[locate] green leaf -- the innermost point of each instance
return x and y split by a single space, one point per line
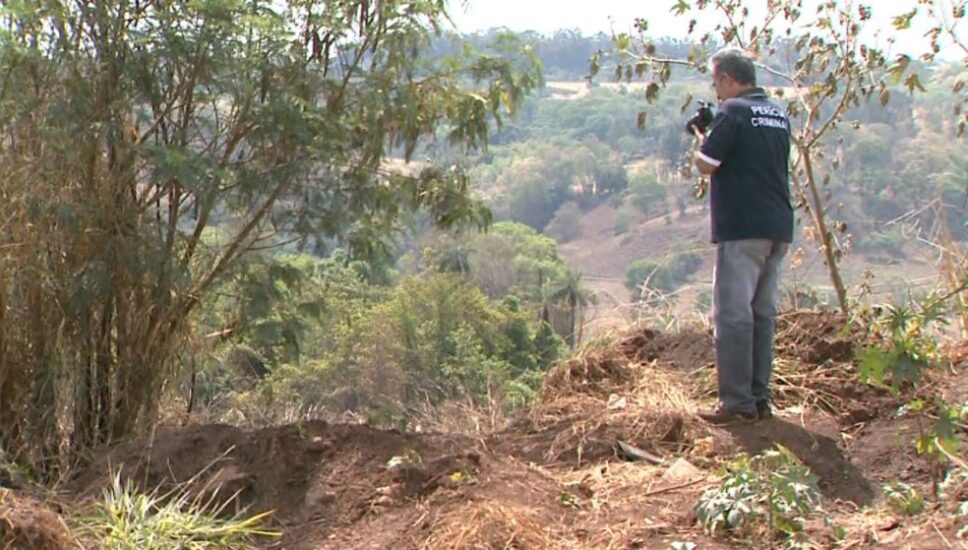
897 69
924 444
680 7
903 21
622 41
873 364
912 82
947 426
905 368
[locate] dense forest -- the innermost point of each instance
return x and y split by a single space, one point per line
210 220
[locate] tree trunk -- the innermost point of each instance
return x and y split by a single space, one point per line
572 306
826 237
581 322
103 377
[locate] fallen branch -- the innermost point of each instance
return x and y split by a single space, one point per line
674 487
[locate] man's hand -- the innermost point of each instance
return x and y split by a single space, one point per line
700 122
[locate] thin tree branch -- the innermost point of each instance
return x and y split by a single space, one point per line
662 60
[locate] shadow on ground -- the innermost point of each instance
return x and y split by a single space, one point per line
839 478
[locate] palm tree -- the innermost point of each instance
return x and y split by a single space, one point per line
544 297
575 296
455 259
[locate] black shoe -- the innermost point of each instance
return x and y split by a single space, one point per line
721 416
763 410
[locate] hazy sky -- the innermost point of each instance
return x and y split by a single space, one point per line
592 16
549 15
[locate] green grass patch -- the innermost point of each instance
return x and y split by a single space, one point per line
126 519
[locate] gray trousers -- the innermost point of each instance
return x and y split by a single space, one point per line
744 306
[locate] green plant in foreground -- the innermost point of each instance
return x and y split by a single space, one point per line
903 499
772 491
125 519
906 348
940 439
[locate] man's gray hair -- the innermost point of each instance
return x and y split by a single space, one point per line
735 63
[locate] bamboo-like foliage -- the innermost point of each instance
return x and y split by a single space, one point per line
146 146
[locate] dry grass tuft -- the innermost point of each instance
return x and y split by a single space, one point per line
596 371
627 504
590 402
25 523
489 524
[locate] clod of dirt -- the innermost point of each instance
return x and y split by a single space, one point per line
688 349
26 523
816 336
576 421
681 470
596 372
424 478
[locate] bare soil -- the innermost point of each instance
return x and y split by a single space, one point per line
553 478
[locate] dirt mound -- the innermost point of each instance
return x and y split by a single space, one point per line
596 372
26 523
883 448
688 349
839 478
814 363
812 337
816 336
815 366
350 486
590 402
328 474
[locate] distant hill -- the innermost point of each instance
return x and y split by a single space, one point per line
602 257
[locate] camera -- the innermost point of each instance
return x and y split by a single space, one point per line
701 120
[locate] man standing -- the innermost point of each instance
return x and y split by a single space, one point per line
746 153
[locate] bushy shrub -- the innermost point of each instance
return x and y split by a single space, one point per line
433 336
566 225
622 221
646 192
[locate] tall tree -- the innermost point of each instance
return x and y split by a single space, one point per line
150 145
573 294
